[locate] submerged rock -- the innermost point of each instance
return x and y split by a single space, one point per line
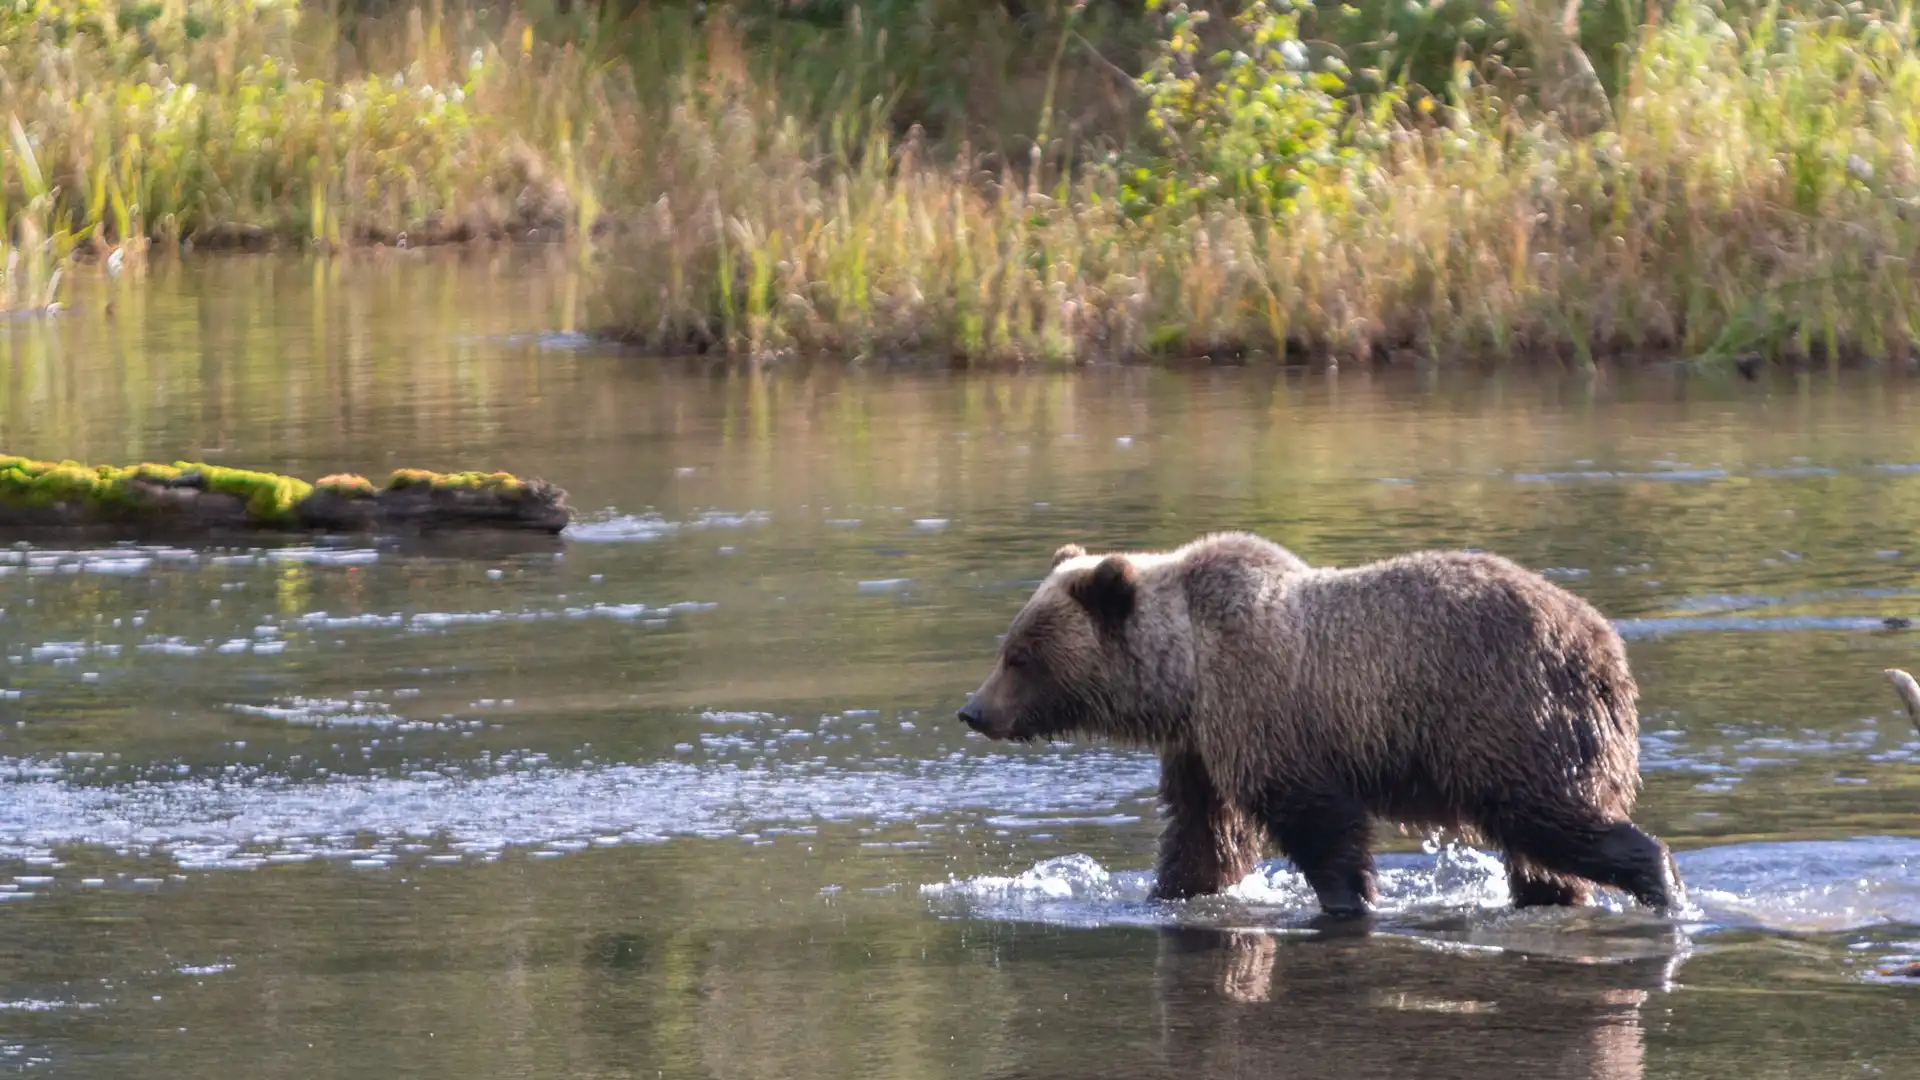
193 496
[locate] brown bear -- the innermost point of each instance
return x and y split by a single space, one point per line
1441 689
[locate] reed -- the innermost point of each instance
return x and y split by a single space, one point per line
1752 192
244 123
1724 188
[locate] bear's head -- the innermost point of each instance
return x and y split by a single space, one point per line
1072 659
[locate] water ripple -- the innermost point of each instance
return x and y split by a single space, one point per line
215 823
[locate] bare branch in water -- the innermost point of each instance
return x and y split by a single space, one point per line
1909 691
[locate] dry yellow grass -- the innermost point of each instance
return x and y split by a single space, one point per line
1752 191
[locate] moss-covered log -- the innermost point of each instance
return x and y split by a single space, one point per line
193 496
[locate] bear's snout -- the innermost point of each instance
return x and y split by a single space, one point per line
972 716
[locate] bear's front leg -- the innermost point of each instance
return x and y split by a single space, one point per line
1328 837
1207 844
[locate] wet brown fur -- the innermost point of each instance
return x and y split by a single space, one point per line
1440 690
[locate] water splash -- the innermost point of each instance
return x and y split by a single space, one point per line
1816 886
1076 890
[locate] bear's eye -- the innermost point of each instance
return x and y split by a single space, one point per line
1019 658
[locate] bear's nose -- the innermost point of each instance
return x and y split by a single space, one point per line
970 714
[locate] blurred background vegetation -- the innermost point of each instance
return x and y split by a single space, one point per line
1452 180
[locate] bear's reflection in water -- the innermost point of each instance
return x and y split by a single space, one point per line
1247 1004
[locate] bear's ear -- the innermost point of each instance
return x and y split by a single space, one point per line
1107 591
1067 551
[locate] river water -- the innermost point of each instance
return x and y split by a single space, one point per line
681 794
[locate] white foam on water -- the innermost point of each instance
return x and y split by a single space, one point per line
321 620
323 556
1641 629
1077 890
60 650
204 969
1668 475
1800 887
237 821
170 646
441 620
425 621
640 528
334 713
622 612
265 640
124 566
1068 877
1810 886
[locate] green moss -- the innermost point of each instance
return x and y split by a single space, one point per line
41 484
345 485
270 497
498 483
406 478
113 486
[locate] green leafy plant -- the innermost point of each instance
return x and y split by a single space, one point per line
1251 123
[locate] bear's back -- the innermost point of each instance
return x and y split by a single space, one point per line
1449 622
1408 669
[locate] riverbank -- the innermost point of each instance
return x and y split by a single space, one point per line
246 125
1746 194
1741 191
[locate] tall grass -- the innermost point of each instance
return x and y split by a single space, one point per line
243 122
1752 190
1736 186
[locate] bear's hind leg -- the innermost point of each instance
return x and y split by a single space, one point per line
1532 886
1207 844
1328 838
1615 853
